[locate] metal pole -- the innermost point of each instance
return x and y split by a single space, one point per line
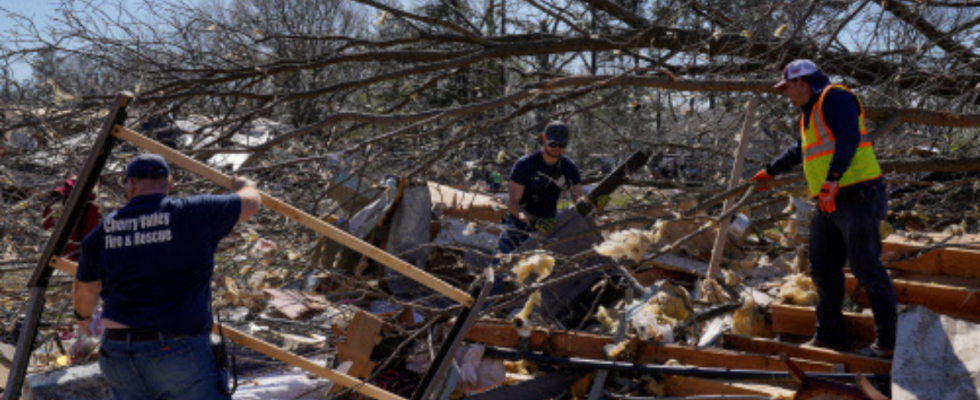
71 215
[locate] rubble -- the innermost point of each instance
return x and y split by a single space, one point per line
324 313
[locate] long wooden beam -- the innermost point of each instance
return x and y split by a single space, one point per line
851 362
721 238
953 301
953 261
299 216
682 386
336 377
803 321
585 345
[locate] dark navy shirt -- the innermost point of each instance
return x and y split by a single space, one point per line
543 183
155 258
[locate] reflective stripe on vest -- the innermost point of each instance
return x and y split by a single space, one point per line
818 149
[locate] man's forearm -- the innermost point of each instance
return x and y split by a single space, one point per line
84 297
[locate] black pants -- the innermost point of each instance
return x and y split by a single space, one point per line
852 234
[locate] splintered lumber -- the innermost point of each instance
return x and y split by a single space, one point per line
362 334
947 259
954 301
299 216
466 205
585 345
682 386
721 238
851 362
63 265
294 304
336 377
803 321
6 354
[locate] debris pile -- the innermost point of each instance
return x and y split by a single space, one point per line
560 308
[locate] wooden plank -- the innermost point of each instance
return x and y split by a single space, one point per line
579 344
688 386
721 238
958 302
803 321
63 265
299 216
6 354
336 377
962 262
363 333
851 362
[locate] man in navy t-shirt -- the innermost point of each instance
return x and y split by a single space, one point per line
536 182
151 263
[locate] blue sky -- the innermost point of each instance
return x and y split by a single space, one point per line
41 12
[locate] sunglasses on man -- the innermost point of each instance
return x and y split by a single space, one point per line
556 145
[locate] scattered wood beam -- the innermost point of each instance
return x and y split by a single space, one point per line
363 333
803 321
336 377
299 216
851 362
63 265
952 261
687 386
502 333
954 301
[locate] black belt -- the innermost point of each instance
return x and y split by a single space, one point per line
134 335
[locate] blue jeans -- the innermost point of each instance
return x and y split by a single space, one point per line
851 234
170 369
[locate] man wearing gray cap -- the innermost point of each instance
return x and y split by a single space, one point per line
537 180
151 263
844 178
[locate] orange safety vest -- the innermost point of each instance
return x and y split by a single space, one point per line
818 149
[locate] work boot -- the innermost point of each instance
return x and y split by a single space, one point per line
815 342
876 351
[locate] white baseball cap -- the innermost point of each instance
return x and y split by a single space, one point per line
796 69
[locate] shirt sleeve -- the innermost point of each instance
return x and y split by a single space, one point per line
88 261
571 172
219 212
841 111
790 158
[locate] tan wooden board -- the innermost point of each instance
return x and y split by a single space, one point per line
688 386
851 362
67 266
336 377
363 333
299 216
961 257
957 302
803 321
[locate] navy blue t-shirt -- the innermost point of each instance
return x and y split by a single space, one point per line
155 258
542 182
